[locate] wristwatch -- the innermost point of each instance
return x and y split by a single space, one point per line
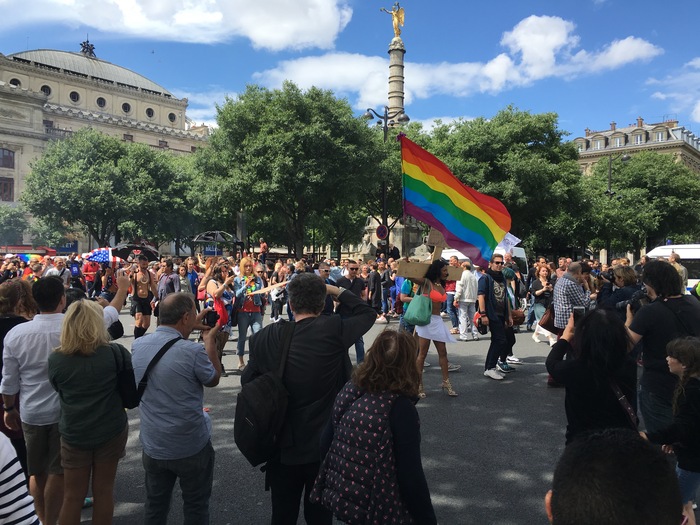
341 290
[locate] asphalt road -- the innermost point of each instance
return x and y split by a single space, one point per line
488 454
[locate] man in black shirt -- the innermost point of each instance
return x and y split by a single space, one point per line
317 368
670 315
358 286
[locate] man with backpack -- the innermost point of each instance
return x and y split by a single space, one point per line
316 368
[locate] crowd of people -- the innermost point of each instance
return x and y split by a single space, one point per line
347 426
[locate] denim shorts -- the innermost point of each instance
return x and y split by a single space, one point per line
689 483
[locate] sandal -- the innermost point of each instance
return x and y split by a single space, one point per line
454 331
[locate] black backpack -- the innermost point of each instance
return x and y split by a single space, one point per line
261 409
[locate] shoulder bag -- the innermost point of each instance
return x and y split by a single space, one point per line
420 309
622 399
261 410
547 319
126 382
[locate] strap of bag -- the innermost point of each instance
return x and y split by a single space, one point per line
678 318
287 333
622 399
115 351
156 358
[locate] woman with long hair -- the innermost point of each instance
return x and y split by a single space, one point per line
372 471
682 437
599 366
218 283
93 424
17 305
542 290
248 305
434 285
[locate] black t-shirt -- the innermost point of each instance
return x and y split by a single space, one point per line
545 298
374 286
658 325
356 286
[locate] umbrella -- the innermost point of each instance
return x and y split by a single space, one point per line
216 237
103 256
127 249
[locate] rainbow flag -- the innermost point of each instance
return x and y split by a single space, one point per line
471 222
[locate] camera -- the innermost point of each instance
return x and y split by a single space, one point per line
637 300
609 275
210 318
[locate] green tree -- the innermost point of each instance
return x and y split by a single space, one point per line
13 224
102 186
655 198
78 181
521 159
287 154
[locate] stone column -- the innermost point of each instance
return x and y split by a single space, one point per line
396 78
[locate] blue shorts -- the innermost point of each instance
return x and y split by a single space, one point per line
689 483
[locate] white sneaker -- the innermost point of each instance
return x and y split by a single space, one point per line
493 374
444 314
381 320
511 359
426 364
463 338
453 368
535 338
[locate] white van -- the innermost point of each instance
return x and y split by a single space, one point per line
519 256
690 258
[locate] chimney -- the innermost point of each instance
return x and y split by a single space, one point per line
588 132
613 125
640 122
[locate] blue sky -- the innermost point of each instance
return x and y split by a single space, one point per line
590 61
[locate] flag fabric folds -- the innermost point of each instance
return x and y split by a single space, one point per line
471 222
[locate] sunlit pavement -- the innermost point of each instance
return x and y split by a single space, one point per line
488 454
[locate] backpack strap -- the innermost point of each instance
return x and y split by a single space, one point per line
161 353
287 332
688 331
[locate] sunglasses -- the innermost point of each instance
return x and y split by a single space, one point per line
353 269
325 271
497 262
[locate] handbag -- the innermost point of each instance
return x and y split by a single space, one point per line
419 310
126 383
518 317
547 320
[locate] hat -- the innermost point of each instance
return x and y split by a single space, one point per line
9 256
481 328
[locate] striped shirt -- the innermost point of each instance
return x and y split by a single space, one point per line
16 505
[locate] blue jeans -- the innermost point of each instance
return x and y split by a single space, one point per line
451 310
656 411
385 300
196 474
246 319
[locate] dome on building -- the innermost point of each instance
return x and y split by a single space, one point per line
87 67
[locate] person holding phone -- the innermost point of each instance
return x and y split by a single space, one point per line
598 366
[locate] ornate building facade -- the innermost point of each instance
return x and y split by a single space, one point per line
663 137
47 94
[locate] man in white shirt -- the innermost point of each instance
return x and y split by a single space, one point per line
59 270
25 371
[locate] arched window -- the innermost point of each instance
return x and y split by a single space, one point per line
7 158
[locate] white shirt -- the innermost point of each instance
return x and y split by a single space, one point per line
26 364
63 273
466 290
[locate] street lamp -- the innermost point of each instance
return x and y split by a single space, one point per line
386 121
610 193
624 158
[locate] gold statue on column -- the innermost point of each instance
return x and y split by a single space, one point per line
397 17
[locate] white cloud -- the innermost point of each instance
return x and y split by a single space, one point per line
681 89
538 47
272 24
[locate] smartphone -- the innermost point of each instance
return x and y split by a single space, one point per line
579 312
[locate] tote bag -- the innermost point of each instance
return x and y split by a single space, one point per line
419 310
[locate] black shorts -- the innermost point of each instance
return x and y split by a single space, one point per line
141 305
